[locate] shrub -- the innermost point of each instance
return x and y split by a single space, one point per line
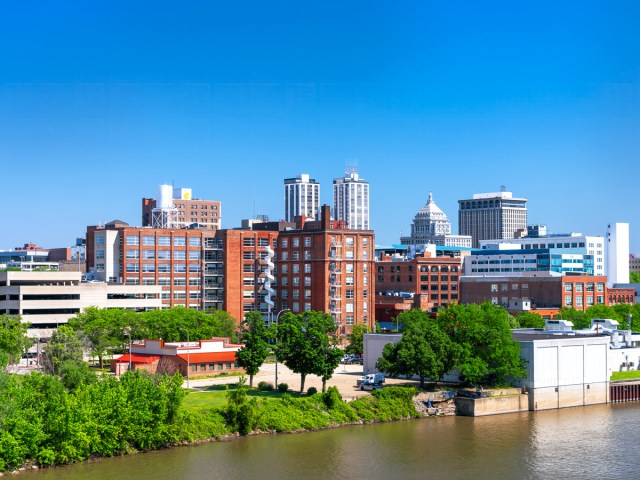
265 387
312 391
332 397
283 387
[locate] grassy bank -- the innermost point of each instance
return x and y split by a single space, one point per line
630 375
44 423
209 415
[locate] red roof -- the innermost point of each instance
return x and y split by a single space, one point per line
209 357
137 358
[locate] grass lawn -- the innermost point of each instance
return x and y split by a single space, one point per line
630 375
216 396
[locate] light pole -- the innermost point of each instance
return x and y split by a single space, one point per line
128 334
188 361
277 320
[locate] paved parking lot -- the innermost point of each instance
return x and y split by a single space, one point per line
344 378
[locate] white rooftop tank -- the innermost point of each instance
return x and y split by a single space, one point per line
165 197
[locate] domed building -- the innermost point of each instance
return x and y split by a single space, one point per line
431 225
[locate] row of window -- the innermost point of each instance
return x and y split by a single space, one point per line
579 287
423 268
163 267
568 300
162 240
160 254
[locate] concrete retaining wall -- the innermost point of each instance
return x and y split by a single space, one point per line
478 407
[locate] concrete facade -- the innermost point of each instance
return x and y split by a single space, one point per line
618 253
564 371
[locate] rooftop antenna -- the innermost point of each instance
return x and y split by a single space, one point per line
350 168
503 188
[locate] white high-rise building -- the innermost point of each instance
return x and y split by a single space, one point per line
617 253
301 197
351 200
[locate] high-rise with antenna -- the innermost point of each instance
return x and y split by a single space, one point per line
301 197
351 199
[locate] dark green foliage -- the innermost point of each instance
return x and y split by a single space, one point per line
255 347
13 339
305 346
240 411
529 320
331 397
488 354
265 386
65 346
312 391
424 349
356 339
42 420
283 387
634 277
75 374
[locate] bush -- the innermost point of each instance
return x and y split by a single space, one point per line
283 387
332 397
265 387
312 391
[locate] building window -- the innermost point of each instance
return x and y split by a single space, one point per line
249 242
164 241
179 255
148 254
349 307
307 306
100 240
494 288
148 267
133 240
133 267
307 241
349 255
296 256
133 253
133 281
164 254
179 268
568 287
349 281
578 287
349 267
194 254
179 282
284 256
248 255
148 281
195 268
195 282
164 268
100 267
296 307
307 255
179 241
504 287
295 242
349 320
284 243
195 241
307 268
567 301
164 281
350 293
578 301
307 281
148 240
494 300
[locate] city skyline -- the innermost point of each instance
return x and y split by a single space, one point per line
101 103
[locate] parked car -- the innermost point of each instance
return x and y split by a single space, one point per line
352 359
370 386
375 378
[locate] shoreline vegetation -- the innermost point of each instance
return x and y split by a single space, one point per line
45 424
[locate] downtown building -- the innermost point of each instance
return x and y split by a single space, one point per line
431 226
351 200
301 197
182 209
327 267
495 215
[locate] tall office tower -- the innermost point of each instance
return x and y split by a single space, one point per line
301 197
617 253
489 216
351 200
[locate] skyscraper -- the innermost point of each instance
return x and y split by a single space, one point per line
301 197
351 200
492 216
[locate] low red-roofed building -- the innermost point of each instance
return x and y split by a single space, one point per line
199 359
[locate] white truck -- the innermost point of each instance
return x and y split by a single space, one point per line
373 378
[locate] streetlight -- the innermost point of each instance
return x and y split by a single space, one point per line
128 334
277 319
188 359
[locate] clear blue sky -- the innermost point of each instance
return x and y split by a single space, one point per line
102 101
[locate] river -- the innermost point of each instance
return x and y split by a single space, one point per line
575 443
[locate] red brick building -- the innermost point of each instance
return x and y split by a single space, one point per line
542 291
429 281
206 213
322 265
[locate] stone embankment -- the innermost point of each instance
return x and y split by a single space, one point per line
442 403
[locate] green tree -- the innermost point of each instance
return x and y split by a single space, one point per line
488 353
65 345
304 345
356 339
634 277
255 348
424 349
529 320
240 411
579 318
13 339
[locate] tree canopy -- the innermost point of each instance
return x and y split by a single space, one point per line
304 344
424 349
356 339
488 353
13 339
255 347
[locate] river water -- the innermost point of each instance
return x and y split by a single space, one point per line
596 442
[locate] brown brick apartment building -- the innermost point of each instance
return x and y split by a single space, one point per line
206 213
322 265
431 281
543 291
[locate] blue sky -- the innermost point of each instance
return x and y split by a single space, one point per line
102 101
